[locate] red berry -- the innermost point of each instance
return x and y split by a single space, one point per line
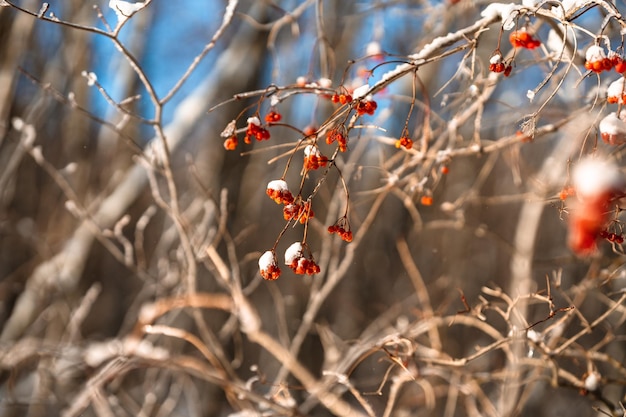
620 65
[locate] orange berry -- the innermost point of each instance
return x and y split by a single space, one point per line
230 144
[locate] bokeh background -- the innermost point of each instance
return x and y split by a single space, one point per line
496 221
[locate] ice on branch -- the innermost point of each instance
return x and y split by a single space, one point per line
301 81
399 69
506 12
325 82
230 129
360 92
124 9
91 78
531 4
230 10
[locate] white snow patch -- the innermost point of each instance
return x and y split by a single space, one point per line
310 150
254 121
617 89
267 260
592 381
495 58
230 129
373 48
90 76
505 11
593 177
325 82
278 185
293 252
360 91
124 9
612 125
595 53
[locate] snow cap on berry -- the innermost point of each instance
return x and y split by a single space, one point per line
267 260
613 129
293 253
616 91
325 82
593 177
373 48
496 58
595 53
278 185
254 121
591 381
268 266
311 150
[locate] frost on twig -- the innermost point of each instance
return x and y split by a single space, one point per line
125 10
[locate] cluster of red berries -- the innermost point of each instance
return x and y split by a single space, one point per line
597 61
366 107
295 259
313 159
607 64
341 98
273 117
501 67
613 128
616 91
268 266
298 210
523 39
611 237
342 229
404 142
497 64
304 265
255 130
598 184
278 191
338 134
